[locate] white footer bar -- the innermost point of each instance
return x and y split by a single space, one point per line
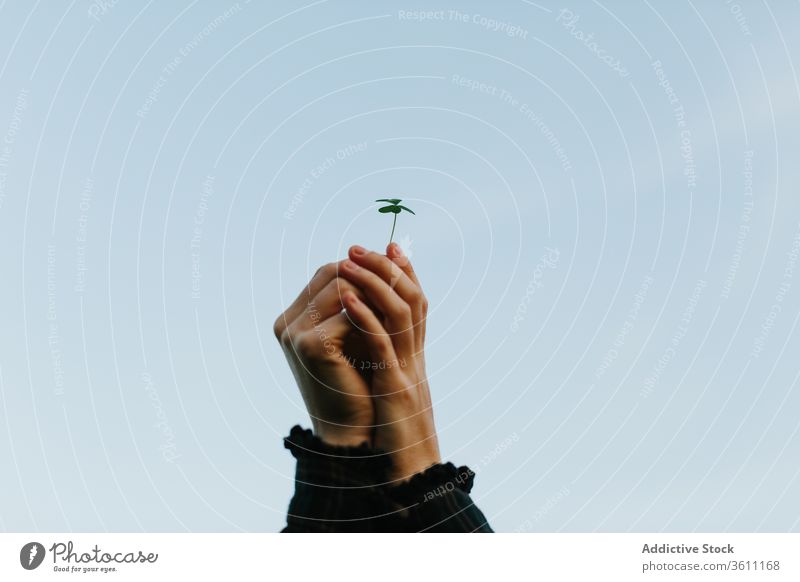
389 557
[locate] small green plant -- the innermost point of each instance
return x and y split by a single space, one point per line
395 208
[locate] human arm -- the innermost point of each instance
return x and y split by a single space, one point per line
389 478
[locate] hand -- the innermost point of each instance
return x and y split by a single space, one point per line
323 349
391 316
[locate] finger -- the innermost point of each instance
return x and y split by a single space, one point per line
398 279
392 273
327 303
397 313
375 335
399 258
322 277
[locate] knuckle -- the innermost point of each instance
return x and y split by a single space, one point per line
305 344
401 310
342 284
290 336
278 327
327 270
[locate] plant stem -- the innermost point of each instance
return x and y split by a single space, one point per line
391 238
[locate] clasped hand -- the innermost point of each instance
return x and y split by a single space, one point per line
355 339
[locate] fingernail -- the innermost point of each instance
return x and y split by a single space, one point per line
350 266
396 250
357 250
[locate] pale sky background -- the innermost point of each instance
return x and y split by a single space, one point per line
614 295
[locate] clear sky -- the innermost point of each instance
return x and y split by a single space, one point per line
607 228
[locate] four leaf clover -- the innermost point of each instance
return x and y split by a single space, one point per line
395 208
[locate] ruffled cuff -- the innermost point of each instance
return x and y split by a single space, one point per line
433 483
344 489
438 501
326 465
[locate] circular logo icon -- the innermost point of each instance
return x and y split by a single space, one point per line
31 555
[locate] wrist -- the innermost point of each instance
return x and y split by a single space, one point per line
414 459
342 436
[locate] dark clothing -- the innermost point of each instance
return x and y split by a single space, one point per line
346 489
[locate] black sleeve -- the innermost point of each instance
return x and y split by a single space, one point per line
438 501
337 489
345 489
